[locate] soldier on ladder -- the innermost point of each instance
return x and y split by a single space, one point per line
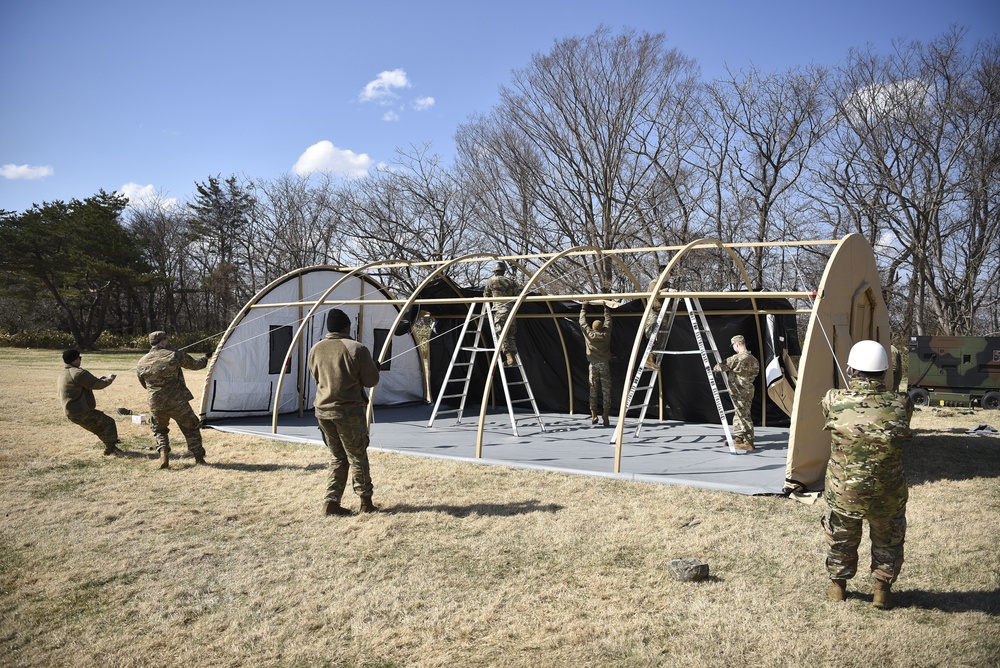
500 285
741 370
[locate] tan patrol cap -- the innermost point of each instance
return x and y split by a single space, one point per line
156 337
738 339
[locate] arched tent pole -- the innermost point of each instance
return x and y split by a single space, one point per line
633 357
239 318
298 335
503 332
408 305
850 271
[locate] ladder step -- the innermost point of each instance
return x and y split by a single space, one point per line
448 410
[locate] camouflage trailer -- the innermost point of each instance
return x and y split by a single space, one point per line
954 370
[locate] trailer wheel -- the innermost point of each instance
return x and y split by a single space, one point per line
991 401
920 397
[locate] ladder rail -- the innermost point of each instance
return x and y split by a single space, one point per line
706 344
478 345
654 374
459 347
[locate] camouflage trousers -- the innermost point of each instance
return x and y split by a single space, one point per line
742 422
509 344
101 425
347 437
843 535
181 413
600 379
661 336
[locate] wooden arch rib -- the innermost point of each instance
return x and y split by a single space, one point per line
302 325
577 250
700 244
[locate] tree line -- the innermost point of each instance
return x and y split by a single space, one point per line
611 140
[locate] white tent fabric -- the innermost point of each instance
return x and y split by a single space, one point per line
244 377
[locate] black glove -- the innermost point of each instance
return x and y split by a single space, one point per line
208 355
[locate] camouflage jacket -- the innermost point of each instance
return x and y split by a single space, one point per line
742 370
159 371
868 425
501 286
342 369
75 388
598 342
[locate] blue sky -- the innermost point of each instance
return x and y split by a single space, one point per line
140 97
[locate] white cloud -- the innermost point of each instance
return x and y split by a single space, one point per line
26 172
382 88
324 157
422 103
390 116
882 101
147 196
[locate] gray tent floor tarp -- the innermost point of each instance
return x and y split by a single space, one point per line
673 453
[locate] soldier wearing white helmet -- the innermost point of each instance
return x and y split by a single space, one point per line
864 476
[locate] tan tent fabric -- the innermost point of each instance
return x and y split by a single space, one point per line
848 308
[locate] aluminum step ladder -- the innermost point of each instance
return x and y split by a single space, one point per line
707 350
458 377
645 379
710 356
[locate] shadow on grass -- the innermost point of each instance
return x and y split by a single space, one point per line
950 601
252 468
951 455
483 509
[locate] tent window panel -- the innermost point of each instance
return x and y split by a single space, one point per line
279 341
380 335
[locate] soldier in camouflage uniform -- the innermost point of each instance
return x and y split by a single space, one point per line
160 372
864 477
342 369
500 285
598 340
741 370
75 388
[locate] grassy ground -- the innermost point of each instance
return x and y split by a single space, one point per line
112 562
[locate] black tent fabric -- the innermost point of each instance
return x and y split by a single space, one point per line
687 393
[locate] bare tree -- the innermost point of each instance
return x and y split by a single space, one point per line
414 209
915 164
771 124
296 223
162 226
579 148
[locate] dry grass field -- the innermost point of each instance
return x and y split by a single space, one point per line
111 562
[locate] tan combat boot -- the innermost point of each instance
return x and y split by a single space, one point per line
334 508
837 591
164 458
882 597
593 416
367 506
510 359
606 415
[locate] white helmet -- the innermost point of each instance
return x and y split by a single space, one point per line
869 356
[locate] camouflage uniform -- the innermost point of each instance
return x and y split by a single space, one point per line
599 355
741 370
342 368
501 286
159 371
864 477
75 388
